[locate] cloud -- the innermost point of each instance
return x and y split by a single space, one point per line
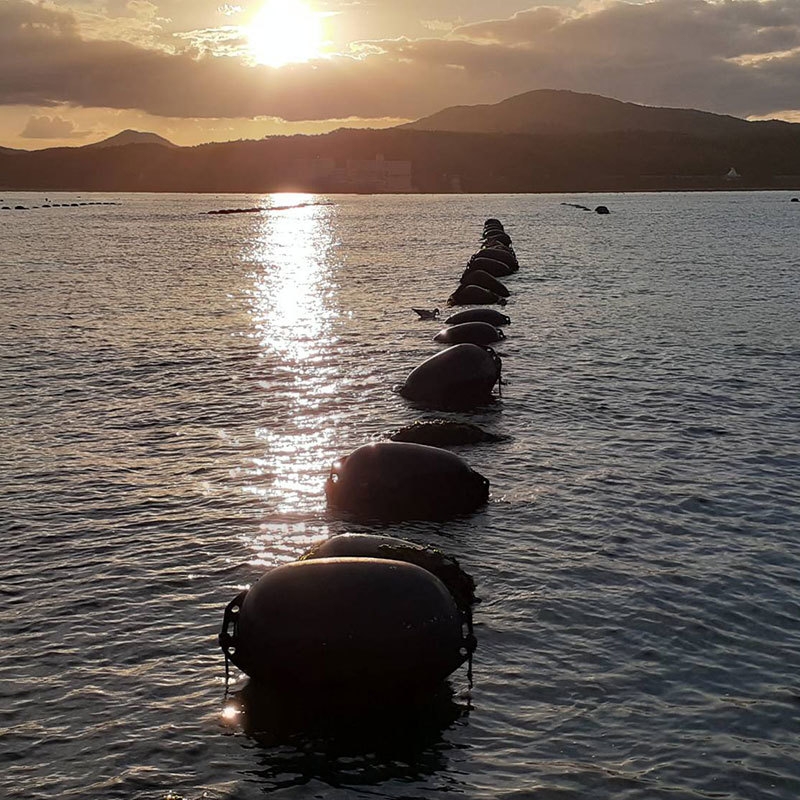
227 40
442 25
740 57
51 128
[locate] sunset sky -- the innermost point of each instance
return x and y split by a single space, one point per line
77 71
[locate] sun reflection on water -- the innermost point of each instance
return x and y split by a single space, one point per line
292 293
293 308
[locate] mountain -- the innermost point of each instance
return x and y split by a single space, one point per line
549 111
132 137
563 142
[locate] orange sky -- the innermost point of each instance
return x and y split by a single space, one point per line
78 71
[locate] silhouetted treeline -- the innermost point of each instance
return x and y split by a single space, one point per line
441 162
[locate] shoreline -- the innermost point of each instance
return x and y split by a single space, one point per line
794 188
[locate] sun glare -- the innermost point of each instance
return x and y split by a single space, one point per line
283 32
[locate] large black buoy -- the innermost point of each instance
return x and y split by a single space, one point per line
473 295
399 480
499 253
443 433
477 277
369 545
491 265
352 626
490 315
473 332
462 376
492 236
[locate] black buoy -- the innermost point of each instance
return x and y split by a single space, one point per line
472 332
478 277
346 626
369 545
496 236
443 433
490 315
462 376
472 295
493 266
399 480
499 253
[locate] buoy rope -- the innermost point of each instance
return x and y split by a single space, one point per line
228 633
498 362
227 673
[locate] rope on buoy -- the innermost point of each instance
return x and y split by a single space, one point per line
227 635
498 362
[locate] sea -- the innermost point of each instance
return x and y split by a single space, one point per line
175 386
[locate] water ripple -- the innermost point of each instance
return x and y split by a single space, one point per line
175 388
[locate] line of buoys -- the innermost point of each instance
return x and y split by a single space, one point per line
259 209
374 615
60 205
254 210
597 210
464 375
479 284
461 377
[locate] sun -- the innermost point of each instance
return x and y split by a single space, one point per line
283 32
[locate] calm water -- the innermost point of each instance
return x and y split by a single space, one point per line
174 387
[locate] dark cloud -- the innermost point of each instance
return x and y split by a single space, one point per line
51 128
740 57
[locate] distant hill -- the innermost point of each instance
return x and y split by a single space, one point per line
132 137
557 142
548 111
